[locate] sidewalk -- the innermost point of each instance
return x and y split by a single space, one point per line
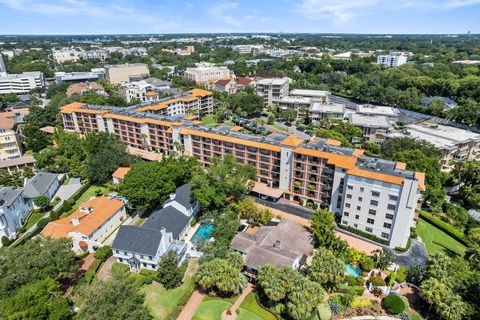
232 315
191 306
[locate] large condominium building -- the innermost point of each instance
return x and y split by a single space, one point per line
21 83
318 171
273 90
302 101
375 128
299 104
392 60
207 74
117 74
456 144
9 140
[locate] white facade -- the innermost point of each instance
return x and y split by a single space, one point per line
272 90
66 54
14 208
207 73
21 83
142 90
392 60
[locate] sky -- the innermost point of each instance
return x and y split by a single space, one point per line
205 16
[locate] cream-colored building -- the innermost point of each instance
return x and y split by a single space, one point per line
117 74
206 74
9 140
66 54
273 90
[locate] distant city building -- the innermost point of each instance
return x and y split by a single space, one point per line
75 77
392 60
315 95
272 90
117 74
3 69
227 85
21 83
456 144
145 90
66 54
319 111
374 110
10 144
207 74
448 103
83 87
185 51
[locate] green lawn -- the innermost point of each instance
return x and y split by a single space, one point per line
209 121
250 306
165 304
429 233
211 309
90 192
33 219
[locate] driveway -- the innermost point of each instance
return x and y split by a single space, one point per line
68 190
417 254
287 207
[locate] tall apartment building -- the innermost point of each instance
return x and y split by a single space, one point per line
272 90
10 146
318 171
21 83
117 74
392 60
456 144
205 74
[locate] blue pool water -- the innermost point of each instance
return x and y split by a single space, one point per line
203 233
352 271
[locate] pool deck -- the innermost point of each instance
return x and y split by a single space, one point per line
191 232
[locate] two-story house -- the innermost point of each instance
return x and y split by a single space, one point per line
41 184
142 247
14 208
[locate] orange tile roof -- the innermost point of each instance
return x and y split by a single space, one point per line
358 152
292 141
103 209
375 176
169 130
120 172
164 104
122 117
72 107
421 179
200 93
197 122
230 139
338 160
236 128
190 117
151 93
401 165
159 122
333 142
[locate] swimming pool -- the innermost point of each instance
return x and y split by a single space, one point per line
352 271
203 233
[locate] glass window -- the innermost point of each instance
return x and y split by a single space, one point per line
371 221
346 214
374 202
368 229
350 187
362 189
385 235
387 225
372 212
360 199
375 194
347 205
349 196
389 216
391 207
357 216
393 197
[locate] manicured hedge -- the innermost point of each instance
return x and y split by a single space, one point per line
364 234
377 281
394 303
445 227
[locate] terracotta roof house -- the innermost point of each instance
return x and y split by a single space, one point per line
90 224
242 82
83 87
225 85
142 247
119 174
281 244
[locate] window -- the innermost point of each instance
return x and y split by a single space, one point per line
393 197
391 207
362 189
372 212
368 229
375 194
349 187
385 235
360 199
346 214
359 208
374 202
347 205
371 221
355 225
357 216
116 251
345 222
389 216
120 259
387 225
349 196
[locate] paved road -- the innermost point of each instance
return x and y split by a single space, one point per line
287 207
417 254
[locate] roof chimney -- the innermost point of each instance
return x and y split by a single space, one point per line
277 244
172 196
163 230
75 221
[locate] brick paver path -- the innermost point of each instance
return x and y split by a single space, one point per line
191 306
232 315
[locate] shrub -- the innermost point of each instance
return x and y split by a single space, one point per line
21 230
150 274
324 312
413 233
5 241
88 277
394 303
103 253
360 303
364 234
352 290
376 281
42 223
67 205
391 278
367 264
54 215
401 274
445 227
95 265
355 281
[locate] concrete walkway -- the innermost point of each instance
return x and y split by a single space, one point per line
66 191
191 306
231 313
105 270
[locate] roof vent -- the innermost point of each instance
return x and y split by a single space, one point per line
75 221
87 210
172 196
277 244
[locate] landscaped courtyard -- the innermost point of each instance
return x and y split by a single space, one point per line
437 241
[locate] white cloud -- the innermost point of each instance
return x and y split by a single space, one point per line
220 12
340 11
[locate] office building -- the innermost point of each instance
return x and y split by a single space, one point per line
392 60
21 83
10 145
76 77
315 172
272 89
117 74
205 74
456 144
375 128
